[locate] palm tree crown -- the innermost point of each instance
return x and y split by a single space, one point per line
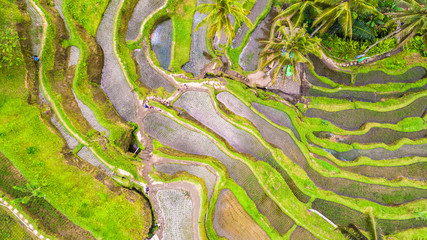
297 10
342 10
219 17
413 20
291 47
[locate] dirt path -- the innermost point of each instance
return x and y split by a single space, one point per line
22 219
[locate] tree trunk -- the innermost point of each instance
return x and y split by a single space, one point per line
384 38
317 29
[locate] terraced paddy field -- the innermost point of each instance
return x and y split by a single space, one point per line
132 125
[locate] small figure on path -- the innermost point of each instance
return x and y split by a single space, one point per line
35 58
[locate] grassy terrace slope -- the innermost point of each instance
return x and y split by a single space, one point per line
86 202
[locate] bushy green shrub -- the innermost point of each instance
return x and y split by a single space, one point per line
395 63
416 45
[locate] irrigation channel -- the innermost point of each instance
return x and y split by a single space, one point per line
217 160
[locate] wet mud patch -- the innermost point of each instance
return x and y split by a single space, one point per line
374 135
199 50
88 156
379 77
322 70
170 133
353 119
69 139
113 81
256 10
340 214
177 208
161 42
232 221
141 11
383 154
248 59
416 171
199 106
199 171
277 116
149 76
35 30
281 139
272 135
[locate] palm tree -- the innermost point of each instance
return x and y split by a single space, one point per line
297 11
28 188
219 17
413 21
343 11
288 46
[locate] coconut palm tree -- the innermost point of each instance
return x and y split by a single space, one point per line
297 11
288 46
343 11
413 21
33 189
218 18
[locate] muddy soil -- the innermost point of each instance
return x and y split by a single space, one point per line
140 12
233 222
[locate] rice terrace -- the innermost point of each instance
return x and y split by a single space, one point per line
213 119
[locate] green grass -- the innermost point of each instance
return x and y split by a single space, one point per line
21 128
87 13
10 227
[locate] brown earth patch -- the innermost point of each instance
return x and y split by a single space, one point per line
233 222
301 234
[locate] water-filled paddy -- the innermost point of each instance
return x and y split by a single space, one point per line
142 9
149 76
113 82
161 42
199 171
199 106
353 119
373 77
170 133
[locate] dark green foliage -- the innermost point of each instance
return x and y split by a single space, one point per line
33 189
352 232
417 45
31 150
10 49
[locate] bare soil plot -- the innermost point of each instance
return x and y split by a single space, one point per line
199 106
233 222
375 135
322 70
255 12
149 76
140 12
198 58
248 59
113 82
170 133
177 209
301 234
412 75
71 141
199 171
161 42
353 119
340 214
50 220
276 116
